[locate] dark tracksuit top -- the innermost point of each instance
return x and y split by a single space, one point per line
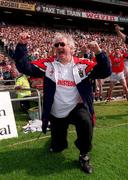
126 40
84 71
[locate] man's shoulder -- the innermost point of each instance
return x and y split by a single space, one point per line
41 63
89 65
43 60
83 61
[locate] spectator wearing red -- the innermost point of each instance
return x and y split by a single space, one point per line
117 62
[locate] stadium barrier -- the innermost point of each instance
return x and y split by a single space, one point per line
12 81
36 96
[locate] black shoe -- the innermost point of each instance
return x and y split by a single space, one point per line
101 98
51 150
96 98
84 163
57 149
124 96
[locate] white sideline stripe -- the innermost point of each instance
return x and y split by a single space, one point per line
39 138
114 126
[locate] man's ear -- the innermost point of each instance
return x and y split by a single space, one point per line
72 51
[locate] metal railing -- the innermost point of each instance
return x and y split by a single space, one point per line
38 96
10 81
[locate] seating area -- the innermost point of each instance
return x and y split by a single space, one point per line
40 46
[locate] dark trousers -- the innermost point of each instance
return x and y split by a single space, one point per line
81 118
25 104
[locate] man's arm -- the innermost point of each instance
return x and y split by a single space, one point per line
103 67
118 29
22 59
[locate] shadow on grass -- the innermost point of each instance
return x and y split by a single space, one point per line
34 161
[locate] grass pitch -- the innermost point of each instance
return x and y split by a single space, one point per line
27 158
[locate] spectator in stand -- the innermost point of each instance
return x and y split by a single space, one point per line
99 90
126 63
125 39
21 84
117 61
68 97
11 50
88 54
1 43
7 74
2 60
1 73
85 53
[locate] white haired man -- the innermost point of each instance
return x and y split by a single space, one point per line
68 95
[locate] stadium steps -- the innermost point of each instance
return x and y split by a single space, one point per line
117 90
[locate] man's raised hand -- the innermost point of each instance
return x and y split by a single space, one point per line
24 37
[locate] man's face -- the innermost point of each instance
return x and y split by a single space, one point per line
14 73
62 49
117 51
1 57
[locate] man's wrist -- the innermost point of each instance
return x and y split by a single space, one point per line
98 52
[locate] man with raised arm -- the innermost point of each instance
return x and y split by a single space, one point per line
68 92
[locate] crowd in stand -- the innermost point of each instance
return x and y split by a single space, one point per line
41 39
40 44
